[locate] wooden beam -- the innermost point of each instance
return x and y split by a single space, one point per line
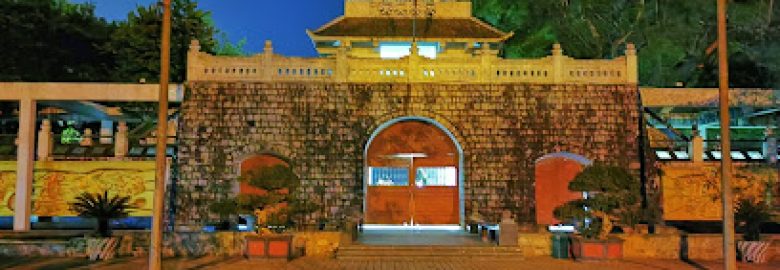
86 91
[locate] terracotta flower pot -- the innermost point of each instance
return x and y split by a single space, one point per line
594 249
269 246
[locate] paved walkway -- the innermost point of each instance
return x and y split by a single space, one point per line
330 264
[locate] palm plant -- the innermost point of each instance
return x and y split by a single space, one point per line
101 207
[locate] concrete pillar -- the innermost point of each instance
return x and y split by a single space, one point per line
45 142
413 64
194 66
86 139
557 58
486 73
696 148
632 65
342 64
25 163
121 143
770 147
106 132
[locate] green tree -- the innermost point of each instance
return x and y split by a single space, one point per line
226 48
135 44
675 39
46 40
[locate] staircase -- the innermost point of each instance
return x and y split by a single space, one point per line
371 252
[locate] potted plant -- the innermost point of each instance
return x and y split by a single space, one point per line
276 207
749 216
611 196
102 208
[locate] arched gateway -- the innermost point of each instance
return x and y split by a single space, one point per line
413 174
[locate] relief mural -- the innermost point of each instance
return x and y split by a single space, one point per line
692 191
58 182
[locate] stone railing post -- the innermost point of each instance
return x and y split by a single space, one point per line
268 58
193 65
557 59
121 141
87 140
632 66
342 64
413 64
45 142
770 147
696 148
487 59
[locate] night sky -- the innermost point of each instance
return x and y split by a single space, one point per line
282 21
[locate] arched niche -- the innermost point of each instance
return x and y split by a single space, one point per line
552 175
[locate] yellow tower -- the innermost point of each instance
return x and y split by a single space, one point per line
388 29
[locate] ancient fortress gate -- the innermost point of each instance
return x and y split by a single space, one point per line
427 134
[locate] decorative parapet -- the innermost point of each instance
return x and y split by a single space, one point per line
484 67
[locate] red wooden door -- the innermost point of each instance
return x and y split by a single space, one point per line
407 197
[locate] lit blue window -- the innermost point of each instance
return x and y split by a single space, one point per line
663 155
436 176
388 176
397 50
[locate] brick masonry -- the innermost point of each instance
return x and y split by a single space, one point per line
322 129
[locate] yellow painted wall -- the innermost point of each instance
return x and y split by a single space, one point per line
57 183
692 191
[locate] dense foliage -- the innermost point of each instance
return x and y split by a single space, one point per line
613 195
675 39
277 204
45 40
135 45
54 40
101 207
750 215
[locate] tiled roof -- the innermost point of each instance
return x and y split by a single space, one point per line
403 27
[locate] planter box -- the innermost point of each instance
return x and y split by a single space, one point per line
269 246
753 251
588 249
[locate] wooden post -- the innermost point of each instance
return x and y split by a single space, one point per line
25 162
155 251
729 252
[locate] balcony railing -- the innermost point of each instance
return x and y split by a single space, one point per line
483 67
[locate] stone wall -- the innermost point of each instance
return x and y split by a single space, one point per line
322 130
136 243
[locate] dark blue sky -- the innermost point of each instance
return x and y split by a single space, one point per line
282 21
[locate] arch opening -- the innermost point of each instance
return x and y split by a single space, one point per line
552 175
413 174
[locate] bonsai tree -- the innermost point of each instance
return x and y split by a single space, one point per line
750 215
612 196
275 205
101 207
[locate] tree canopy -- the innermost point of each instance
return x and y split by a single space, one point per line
55 40
675 39
45 40
136 42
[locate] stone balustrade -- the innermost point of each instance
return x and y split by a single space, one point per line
484 67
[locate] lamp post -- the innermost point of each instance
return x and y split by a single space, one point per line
729 252
155 250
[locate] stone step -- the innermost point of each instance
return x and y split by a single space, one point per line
358 252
